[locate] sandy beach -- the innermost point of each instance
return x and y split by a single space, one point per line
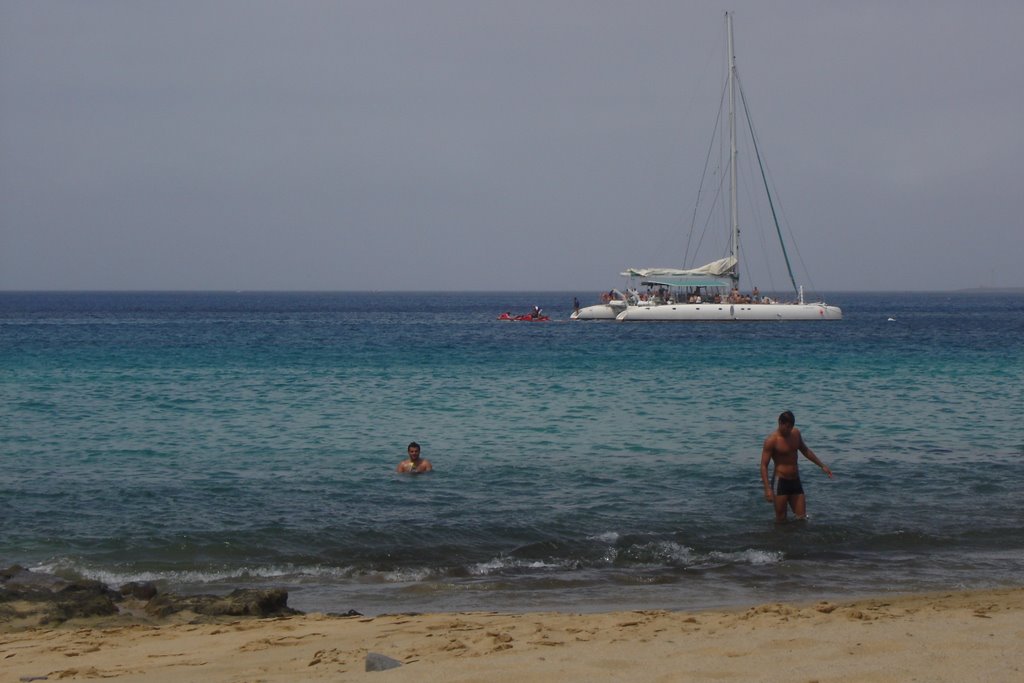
955 636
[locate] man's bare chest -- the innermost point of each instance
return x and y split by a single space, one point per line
784 450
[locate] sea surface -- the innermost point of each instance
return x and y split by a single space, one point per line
208 441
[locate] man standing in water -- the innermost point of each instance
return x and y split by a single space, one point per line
415 464
783 448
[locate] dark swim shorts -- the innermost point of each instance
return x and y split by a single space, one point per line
788 487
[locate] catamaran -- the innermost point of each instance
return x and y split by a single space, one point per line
712 291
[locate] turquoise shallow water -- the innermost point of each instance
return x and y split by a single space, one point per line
209 441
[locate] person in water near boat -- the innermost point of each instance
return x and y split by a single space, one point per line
783 448
415 464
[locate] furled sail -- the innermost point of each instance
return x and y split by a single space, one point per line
723 267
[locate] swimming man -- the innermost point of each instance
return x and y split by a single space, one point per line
415 464
783 448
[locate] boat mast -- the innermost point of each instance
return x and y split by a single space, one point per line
732 155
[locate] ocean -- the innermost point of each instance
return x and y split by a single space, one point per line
208 441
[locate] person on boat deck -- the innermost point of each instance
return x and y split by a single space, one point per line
415 464
575 305
536 312
757 295
783 447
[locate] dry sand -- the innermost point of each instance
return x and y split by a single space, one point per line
968 636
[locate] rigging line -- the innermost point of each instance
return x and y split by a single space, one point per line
757 219
764 179
784 220
754 216
716 209
715 135
796 245
713 211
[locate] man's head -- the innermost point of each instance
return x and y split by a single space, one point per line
414 451
786 422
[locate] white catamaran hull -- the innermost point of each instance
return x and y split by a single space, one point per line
724 312
599 311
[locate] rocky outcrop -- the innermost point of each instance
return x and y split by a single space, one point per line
51 598
143 590
47 599
243 602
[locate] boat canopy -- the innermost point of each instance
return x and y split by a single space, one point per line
688 281
715 274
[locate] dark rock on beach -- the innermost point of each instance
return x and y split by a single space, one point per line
139 590
35 597
241 602
52 599
379 662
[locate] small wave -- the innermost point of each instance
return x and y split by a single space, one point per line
405 575
500 564
113 577
656 552
751 556
611 537
677 554
645 555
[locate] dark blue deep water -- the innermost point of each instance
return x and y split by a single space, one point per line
214 440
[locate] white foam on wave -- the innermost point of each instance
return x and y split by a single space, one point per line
499 564
676 552
671 552
652 553
406 575
195 577
749 556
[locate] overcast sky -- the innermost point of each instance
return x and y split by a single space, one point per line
514 145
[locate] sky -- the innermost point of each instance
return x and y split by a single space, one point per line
498 145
